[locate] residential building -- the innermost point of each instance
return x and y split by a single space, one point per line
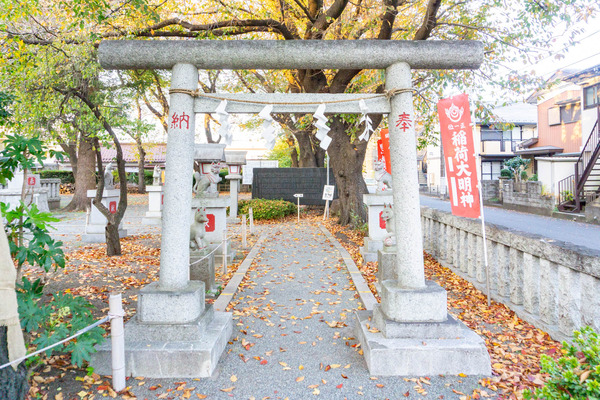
495 143
565 156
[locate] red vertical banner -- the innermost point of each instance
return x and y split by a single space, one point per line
459 155
385 148
379 149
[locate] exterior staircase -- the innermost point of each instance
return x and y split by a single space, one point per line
583 187
422 178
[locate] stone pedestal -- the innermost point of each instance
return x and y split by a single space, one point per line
420 349
190 350
12 197
34 193
216 211
155 203
386 266
374 242
202 268
96 223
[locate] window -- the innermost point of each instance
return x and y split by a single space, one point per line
570 113
591 96
490 170
488 133
564 114
554 116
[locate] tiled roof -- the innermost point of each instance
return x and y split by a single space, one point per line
155 153
517 113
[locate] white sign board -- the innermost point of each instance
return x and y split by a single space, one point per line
299 195
328 192
247 170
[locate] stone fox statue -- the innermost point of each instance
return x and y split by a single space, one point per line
390 226
108 177
384 179
207 182
197 230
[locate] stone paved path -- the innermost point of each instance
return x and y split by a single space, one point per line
293 333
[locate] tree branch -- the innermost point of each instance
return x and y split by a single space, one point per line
429 20
388 19
324 21
250 25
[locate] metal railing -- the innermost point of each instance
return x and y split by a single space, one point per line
566 191
586 161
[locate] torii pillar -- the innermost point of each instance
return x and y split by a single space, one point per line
417 335
414 335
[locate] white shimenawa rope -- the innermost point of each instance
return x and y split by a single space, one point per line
212 251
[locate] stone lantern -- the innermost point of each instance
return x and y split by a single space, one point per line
234 160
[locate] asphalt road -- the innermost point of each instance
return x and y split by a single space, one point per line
577 233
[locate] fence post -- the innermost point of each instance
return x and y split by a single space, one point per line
251 214
115 309
224 251
244 241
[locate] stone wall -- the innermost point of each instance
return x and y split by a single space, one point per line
551 284
592 212
53 186
526 196
490 190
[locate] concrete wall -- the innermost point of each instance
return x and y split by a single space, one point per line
553 169
552 285
490 190
588 119
592 212
529 199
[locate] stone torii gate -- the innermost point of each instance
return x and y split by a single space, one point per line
173 333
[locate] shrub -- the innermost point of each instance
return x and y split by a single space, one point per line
567 195
506 173
533 178
65 176
523 175
267 209
51 321
132 177
575 375
517 166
